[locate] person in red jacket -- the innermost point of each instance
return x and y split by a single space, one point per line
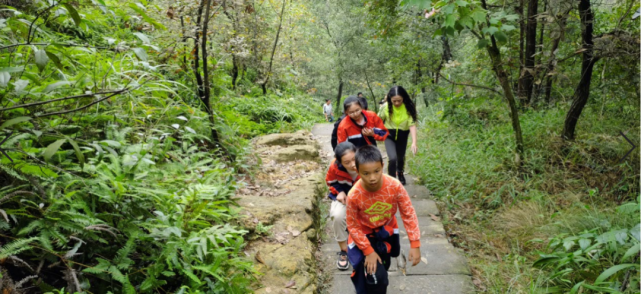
363 127
373 231
340 178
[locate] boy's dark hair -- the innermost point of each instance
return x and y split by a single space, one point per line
363 102
351 100
327 100
343 148
367 154
359 93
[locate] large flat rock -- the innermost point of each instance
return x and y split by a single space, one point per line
428 284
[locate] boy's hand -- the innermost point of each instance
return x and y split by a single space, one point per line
341 197
415 256
368 132
371 262
414 148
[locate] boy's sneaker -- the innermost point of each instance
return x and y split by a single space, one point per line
401 178
342 263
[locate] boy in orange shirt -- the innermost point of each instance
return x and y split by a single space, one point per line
373 231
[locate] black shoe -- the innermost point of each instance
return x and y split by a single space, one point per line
401 178
342 263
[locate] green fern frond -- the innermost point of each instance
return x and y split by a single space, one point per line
15 247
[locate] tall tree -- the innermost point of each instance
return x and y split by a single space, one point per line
582 91
526 80
268 74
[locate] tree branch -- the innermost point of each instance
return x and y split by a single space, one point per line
60 99
470 85
85 106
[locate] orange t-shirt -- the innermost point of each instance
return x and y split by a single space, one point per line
371 210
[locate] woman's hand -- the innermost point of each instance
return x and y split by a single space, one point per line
415 256
371 262
369 132
414 148
341 197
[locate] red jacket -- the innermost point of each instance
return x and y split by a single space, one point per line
338 179
348 130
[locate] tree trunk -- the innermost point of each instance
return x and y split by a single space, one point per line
501 75
271 59
519 10
372 92
196 56
445 57
340 94
234 71
582 91
549 79
526 79
539 83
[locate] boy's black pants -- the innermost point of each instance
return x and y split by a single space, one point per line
386 246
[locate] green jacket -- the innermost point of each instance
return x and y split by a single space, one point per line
402 121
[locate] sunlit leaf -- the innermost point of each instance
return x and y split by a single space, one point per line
140 53
41 59
5 77
55 85
14 121
73 13
53 148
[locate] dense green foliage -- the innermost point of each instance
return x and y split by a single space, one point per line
112 180
129 123
562 197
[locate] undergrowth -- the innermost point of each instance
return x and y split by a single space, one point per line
547 222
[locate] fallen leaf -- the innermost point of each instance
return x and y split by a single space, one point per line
435 218
255 220
402 287
295 233
423 259
268 290
290 284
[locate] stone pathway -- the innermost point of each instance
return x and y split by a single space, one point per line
446 270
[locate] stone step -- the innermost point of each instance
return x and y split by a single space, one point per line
421 192
424 207
424 284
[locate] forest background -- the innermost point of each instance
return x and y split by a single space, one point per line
126 128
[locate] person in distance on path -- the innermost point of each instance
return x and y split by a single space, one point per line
340 178
328 111
373 230
363 127
399 115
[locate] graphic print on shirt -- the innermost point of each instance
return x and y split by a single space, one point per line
379 209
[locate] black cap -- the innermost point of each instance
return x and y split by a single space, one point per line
378 282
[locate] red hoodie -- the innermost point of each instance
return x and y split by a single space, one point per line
348 130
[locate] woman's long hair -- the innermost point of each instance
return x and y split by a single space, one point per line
409 104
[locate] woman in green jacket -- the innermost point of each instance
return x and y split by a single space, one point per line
399 115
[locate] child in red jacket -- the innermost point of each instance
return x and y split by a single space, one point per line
340 178
360 127
373 231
